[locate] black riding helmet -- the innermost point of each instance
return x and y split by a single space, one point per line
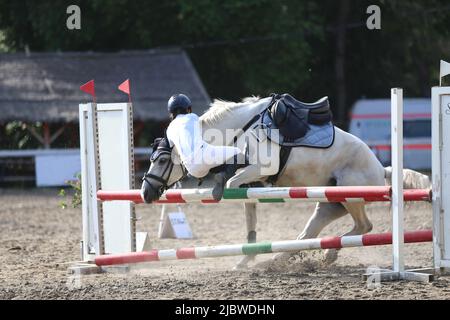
179 103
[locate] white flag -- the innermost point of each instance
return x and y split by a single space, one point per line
445 69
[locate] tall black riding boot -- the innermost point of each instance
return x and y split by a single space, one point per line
221 179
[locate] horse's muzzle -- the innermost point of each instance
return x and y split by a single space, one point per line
150 193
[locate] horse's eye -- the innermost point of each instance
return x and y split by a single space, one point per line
162 160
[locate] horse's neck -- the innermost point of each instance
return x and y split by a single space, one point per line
235 119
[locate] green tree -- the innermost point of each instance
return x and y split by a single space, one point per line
255 47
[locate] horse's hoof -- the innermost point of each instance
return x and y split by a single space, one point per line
331 256
240 267
243 263
283 258
278 262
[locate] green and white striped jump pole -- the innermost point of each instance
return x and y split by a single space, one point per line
260 248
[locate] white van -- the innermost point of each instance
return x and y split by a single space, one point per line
371 122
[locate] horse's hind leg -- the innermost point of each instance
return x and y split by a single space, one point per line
362 225
324 214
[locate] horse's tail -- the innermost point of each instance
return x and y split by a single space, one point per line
411 179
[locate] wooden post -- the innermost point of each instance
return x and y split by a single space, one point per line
46 135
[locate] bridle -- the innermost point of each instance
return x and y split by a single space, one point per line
162 149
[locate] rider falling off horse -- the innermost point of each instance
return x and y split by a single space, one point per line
198 157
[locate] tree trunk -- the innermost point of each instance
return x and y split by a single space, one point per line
341 33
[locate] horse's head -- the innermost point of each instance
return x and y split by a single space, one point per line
164 171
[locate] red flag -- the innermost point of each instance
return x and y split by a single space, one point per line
89 87
125 86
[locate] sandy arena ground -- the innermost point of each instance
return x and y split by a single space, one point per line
38 239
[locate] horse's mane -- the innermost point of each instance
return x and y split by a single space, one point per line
219 108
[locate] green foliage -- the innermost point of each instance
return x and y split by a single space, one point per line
272 35
17 136
405 53
3 46
76 197
253 47
258 47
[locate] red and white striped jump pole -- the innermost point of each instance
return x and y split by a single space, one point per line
261 248
271 195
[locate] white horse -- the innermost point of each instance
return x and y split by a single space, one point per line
348 162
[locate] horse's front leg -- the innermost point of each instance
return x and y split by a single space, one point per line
248 175
250 216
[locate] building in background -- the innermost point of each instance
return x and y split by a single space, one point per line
40 93
371 122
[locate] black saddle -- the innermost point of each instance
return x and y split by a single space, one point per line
321 105
293 118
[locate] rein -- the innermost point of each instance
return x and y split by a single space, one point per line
256 118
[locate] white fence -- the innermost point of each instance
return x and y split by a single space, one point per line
52 168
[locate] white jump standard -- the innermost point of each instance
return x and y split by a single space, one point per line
107 162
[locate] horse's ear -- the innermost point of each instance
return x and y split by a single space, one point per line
156 143
165 143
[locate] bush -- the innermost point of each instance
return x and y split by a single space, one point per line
76 186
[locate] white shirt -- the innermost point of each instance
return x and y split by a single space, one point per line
184 132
